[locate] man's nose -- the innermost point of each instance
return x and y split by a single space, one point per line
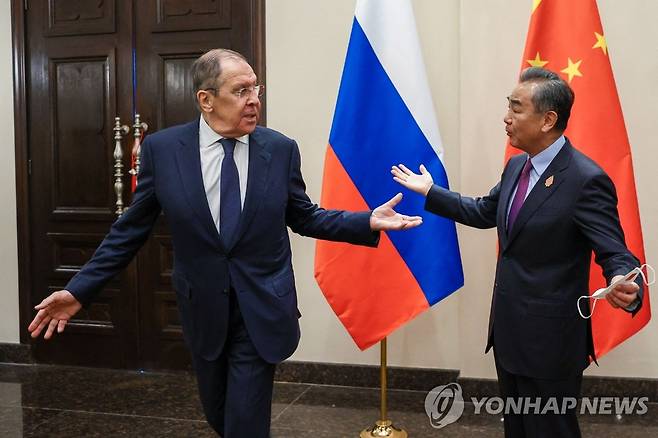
252 98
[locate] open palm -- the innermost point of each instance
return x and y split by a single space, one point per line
386 218
54 312
418 183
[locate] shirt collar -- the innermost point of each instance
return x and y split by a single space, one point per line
208 137
542 160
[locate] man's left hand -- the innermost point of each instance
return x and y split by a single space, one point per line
624 294
384 218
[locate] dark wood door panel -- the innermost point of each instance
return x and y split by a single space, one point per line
74 105
81 110
192 15
64 17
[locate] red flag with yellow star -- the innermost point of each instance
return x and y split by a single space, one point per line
566 36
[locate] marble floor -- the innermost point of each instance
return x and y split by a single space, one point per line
54 401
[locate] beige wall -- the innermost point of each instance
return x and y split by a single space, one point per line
472 49
8 257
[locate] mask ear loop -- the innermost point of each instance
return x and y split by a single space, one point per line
651 274
592 310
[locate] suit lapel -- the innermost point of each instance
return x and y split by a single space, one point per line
259 163
507 186
542 190
188 158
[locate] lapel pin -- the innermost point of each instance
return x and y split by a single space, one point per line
549 181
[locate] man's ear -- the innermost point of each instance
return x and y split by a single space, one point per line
204 99
550 119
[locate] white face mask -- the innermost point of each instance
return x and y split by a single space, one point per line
600 294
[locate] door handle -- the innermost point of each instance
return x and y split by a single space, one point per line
139 128
119 132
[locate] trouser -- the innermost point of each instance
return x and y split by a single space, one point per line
533 425
236 389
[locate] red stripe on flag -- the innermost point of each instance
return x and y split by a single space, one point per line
367 273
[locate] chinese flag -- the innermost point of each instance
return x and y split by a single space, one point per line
566 36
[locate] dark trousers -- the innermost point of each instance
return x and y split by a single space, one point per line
236 389
547 425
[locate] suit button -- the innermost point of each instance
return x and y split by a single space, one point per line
225 291
496 284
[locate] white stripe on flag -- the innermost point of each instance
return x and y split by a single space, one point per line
391 30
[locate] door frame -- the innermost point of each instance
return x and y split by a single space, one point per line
22 161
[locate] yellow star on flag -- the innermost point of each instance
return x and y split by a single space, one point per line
535 3
537 62
600 43
572 69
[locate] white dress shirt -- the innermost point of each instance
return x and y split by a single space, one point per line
212 154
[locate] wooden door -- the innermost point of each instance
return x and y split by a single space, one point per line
85 63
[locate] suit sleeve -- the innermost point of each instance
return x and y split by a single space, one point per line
126 236
597 217
308 219
474 212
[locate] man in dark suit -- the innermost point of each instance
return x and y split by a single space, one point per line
552 207
229 190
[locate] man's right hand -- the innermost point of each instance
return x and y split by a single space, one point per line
418 183
54 311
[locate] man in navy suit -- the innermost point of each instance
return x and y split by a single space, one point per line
552 207
229 190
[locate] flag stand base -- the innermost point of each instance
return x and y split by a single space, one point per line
383 427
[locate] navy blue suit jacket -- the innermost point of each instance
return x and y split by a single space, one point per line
257 265
544 260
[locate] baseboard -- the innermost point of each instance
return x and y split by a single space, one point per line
16 353
368 376
424 379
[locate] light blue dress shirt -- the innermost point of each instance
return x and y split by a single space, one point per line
540 163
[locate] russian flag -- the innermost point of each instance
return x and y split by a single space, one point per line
384 115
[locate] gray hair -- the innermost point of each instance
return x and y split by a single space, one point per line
208 67
552 94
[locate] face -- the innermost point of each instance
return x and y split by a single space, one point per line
226 113
526 128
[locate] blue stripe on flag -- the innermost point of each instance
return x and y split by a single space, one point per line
373 129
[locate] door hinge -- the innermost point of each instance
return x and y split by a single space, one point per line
29 167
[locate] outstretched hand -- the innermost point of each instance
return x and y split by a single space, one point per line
418 183
384 217
54 312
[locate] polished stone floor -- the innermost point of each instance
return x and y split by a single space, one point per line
53 401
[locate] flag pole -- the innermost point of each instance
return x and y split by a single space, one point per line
383 427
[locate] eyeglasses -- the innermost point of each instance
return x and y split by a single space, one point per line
244 92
